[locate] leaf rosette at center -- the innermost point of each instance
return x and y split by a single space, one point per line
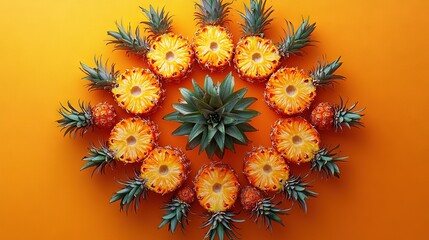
214 117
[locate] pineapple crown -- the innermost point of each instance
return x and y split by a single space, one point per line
268 211
256 17
215 117
159 22
296 190
75 120
99 158
221 223
212 12
347 116
99 76
124 39
176 212
323 73
325 161
134 189
294 41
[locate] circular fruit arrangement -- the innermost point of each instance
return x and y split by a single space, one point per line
214 116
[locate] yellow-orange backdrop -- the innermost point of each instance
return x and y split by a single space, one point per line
383 189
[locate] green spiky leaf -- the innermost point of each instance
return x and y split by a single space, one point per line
99 158
294 41
221 224
266 211
75 120
133 190
325 161
212 12
256 17
99 76
124 39
214 117
347 116
295 189
324 73
176 213
159 22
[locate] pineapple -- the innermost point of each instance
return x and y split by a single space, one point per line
168 55
290 91
266 170
178 208
326 116
215 117
261 206
102 115
138 91
212 42
132 139
256 57
295 139
217 187
163 171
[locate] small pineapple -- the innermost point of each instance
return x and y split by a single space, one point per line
266 170
217 187
295 139
102 115
178 208
132 139
291 91
256 57
212 42
327 116
261 206
163 171
215 117
138 91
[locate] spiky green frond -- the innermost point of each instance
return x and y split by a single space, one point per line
177 212
124 39
325 161
267 211
99 158
159 22
221 224
347 116
214 117
134 189
295 189
75 120
256 17
212 12
99 76
294 41
323 73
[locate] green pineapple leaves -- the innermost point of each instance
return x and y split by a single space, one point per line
325 161
266 211
214 117
256 17
324 73
75 120
124 39
221 224
133 190
294 41
176 212
212 12
347 116
98 158
99 76
295 189
159 22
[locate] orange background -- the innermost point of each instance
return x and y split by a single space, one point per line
383 189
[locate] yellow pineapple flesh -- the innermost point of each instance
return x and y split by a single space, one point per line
165 169
138 91
295 139
132 139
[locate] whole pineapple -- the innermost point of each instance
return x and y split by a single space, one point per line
212 42
168 55
217 188
163 171
326 116
266 170
291 91
214 117
256 57
102 115
137 91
